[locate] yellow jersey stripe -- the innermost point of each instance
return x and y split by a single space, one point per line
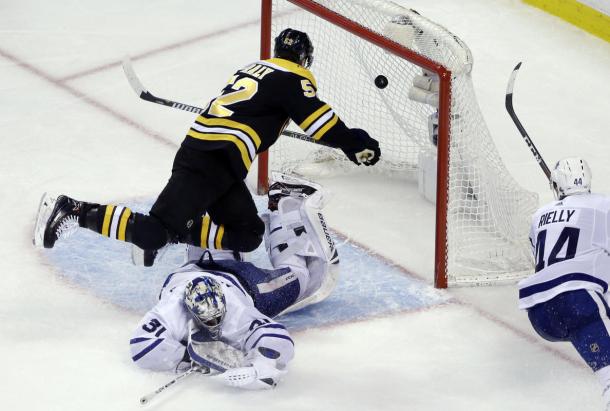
326 127
123 224
241 146
231 124
107 220
219 234
314 116
294 68
205 230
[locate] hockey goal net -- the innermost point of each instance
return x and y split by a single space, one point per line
482 214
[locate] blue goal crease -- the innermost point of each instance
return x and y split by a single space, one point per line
368 286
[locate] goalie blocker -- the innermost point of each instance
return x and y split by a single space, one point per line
218 311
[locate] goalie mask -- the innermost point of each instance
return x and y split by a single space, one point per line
570 176
205 300
295 46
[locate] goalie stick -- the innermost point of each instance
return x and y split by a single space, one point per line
144 94
146 399
209 357
513 115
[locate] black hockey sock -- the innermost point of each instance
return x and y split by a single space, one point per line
108 220
120 223
206 234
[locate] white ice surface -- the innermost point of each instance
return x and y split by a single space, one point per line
87 135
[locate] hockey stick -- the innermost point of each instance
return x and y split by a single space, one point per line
144 94
513 115
146 399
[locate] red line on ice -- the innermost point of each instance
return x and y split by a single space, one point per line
160 50
86 99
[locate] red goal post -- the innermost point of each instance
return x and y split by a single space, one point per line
322 9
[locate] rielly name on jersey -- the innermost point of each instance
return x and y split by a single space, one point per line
263 97
569 240
556 216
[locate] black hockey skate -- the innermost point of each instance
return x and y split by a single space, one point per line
57 218
289 186
149 257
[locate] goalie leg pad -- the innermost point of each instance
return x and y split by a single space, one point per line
297 237
298 227
284 233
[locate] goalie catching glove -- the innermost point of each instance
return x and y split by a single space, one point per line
255 371
364 149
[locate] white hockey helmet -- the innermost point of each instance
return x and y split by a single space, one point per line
205 300
570 176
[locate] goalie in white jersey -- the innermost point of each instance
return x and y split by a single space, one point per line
566 297
218 313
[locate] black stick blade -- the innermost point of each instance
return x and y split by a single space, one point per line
511 81
513 115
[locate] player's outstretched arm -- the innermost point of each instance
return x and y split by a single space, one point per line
268 346
362 148
153 345
357 145
319 121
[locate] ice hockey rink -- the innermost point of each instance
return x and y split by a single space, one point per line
387 340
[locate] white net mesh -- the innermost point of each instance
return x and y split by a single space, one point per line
487 211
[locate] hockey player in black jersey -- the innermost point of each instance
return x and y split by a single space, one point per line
206 202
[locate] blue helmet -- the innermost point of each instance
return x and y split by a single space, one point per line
295 46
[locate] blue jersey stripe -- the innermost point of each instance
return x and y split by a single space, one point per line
165 283
147 349
547 285
285 337
169 277
261 327
139 340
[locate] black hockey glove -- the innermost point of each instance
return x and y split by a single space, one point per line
365 150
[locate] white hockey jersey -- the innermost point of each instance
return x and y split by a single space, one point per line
570 242
305 263
160 340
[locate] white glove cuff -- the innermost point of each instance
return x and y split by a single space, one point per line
245 378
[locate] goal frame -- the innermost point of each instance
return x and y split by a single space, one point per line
444 115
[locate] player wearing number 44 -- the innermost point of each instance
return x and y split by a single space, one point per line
566 297
217 314
206 202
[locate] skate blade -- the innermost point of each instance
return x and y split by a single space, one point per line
44 212
137 256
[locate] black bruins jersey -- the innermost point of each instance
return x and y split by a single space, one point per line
255 107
